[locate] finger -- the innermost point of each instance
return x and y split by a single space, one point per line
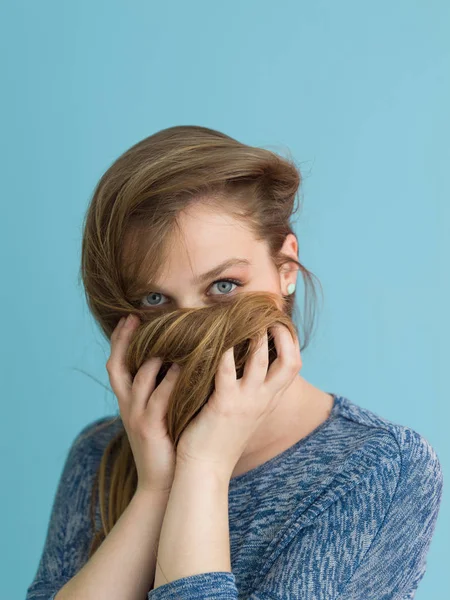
256 365
158 404
143 385
117 327
285 367
226 371
120 377
296 341
297 351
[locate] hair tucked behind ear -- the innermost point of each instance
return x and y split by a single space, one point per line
127 232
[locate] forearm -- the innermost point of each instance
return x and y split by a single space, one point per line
123 567
195 531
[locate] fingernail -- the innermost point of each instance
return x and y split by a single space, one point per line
130 320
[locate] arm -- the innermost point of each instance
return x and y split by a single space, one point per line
196 518
395 561
365 538
372 542
123 567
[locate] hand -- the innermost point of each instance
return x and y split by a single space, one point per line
218 435
143 410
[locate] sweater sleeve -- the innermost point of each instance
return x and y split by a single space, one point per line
68 532
368 543
393 565
372 543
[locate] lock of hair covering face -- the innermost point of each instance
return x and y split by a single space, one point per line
196 339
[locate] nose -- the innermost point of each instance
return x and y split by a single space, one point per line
190 303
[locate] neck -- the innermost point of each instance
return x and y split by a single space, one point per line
298 412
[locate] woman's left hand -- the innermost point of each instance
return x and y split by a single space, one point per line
218 435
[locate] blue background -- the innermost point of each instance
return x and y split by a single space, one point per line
358 93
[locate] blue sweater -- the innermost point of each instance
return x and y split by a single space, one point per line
346 513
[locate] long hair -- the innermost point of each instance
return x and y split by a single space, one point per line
127 232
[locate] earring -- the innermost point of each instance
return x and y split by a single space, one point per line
291 288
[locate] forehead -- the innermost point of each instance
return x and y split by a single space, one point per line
205 237
202 238
204 227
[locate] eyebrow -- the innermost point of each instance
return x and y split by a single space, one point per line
213 273
216 271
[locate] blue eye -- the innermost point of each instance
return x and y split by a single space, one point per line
152 295
155 295
233 281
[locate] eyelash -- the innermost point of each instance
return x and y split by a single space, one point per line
229 279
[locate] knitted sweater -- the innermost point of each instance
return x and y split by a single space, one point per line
346 513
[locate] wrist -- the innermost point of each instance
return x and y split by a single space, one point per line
152 495
202 471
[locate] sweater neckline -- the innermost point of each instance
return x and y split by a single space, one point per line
272 462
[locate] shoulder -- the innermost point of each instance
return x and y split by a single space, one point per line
103 426
84 456
92 440
395 450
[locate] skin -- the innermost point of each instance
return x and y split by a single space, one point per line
208 238
244 423
248 421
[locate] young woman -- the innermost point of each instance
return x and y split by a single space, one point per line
226 474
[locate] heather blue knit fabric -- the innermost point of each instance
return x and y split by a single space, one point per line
346 513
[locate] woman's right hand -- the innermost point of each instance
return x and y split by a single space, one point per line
143 410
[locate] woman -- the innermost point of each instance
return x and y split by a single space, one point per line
226 474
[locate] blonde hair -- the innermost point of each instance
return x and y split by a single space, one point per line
126 236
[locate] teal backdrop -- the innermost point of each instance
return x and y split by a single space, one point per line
357 92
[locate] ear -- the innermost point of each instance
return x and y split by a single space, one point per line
288 272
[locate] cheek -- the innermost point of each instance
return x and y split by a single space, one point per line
267 283
266 279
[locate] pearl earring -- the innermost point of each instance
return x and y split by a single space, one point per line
291 288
